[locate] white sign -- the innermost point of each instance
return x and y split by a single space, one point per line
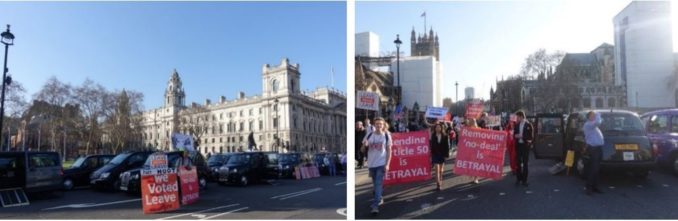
367 100
436 112
493 121
182 142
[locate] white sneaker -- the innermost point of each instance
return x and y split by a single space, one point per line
381 202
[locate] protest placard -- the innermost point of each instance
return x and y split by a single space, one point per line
474 109
367 100
481 153
436 112
159 190
182 142
410 158
189 185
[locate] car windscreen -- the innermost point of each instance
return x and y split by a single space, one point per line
239 159
289 158
216 160
78 162
119 158
621 124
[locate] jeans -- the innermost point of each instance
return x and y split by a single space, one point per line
595 156
333 169
377 174
522 155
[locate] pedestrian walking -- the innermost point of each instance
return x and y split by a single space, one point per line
511 148
378 144
594 144
368 127
331 162
440 150
523 134
360 133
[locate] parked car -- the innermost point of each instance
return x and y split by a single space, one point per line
214 162
107 177
272 166
31 171
130 181
287 163
244 168
78 174
662 129
627 147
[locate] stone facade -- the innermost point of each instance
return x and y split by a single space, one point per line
304 121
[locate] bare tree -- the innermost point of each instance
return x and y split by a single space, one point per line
90 97
194 121
540 62
57 94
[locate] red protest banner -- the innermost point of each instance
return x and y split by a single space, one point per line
474 109
410 158
159 190
481 153
189 185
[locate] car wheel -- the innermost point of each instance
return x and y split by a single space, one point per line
68 184
203 183
116 185
244 181
581 168
642 174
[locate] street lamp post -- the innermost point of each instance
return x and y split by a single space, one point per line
398 43
277 126
456 97
7 39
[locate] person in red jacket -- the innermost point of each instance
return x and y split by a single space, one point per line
511 147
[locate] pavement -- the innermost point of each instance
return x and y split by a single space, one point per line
316 198
547 197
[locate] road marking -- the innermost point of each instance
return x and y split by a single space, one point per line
341 211
87 205
337 184
611 187
226 213
198 212
665 185
295 194
528 192
284 195
425 206
502 193
199 216
441 198
640 186
556 190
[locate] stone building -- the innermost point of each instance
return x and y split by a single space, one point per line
303 121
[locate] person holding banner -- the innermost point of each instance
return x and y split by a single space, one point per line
470 122
523 134
378 159
440 150
511 148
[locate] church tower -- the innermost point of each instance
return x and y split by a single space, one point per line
426 45
174 94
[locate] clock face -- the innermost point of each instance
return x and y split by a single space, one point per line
274 85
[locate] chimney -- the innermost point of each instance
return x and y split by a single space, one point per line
222 99
207 102
241 95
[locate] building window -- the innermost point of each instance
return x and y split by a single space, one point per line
610 102
275 122
251 112
212 140
587 102
241 113
251 125
599 103
242 126
274 85
221 116
261 110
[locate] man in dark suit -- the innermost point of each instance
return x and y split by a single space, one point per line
523 133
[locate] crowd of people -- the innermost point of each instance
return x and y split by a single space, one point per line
373 147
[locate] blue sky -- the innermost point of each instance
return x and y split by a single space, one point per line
481 41
218 48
